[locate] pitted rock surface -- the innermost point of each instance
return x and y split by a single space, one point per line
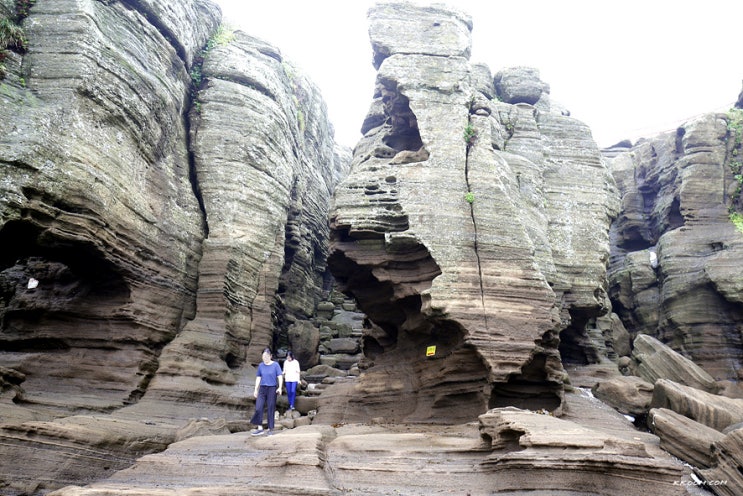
474 247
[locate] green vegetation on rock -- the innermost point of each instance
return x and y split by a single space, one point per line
224 35
735 130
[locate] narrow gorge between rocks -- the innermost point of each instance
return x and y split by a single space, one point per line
482 301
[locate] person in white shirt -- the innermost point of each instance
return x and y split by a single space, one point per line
291 377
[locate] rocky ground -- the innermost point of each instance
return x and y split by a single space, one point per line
593 450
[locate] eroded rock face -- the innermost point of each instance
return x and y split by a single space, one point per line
97 205
652 360
484 244
673 272
153 244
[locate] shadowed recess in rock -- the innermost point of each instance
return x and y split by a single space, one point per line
61 298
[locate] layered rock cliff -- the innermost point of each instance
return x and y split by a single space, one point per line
475 220
165 189
674 266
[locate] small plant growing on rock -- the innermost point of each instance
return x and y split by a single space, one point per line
735 135
11 35
737 219
22 8
469 197
223 36
470 135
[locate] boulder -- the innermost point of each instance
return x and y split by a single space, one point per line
682 437
725 477
343 345
520 85
653 360
405 29
304 339
628 395
717 412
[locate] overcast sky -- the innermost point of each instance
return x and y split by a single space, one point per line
627 69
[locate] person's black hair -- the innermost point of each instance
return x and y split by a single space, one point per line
290 354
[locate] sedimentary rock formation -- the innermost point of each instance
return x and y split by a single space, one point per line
463 226
674 269
652 360
682 437
163 216
594 453
562 455
717 412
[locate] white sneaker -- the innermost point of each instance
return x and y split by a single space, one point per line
257 432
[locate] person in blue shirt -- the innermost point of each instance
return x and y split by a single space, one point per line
268 382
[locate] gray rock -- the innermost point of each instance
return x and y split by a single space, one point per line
628 395
652 360
676 189
682 437
492 282
716 412
343 345
407 29
520 85
725 476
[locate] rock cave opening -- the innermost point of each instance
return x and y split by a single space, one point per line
576 346
61 297
529 390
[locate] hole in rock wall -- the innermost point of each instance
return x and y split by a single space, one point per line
402 133
529 390
576 346
446 386
59 300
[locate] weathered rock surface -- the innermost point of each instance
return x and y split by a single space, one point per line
97 205
564 456
717 412
597 455
682 437
630 395
674 272
486 246
726 477
153 248
652 360
163 214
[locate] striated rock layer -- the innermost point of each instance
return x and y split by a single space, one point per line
674 269
470 224
163 217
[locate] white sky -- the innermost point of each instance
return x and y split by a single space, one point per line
627 69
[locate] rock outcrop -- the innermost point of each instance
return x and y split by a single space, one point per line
165 187
532 453
468 224
163 215
674 269
652 360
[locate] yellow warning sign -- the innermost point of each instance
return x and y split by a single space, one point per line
430 351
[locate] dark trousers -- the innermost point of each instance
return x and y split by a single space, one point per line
266 397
